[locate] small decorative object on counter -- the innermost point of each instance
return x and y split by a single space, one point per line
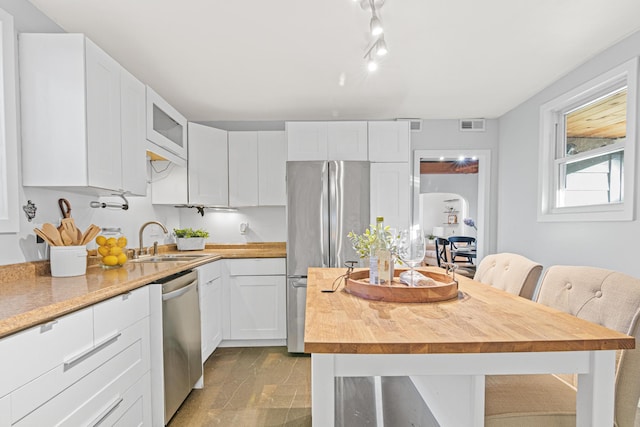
188 239
378 245
112 248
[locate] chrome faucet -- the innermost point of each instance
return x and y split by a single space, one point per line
141 249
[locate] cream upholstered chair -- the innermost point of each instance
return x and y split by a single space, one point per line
601 296
510 272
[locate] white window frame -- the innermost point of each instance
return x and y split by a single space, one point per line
552 128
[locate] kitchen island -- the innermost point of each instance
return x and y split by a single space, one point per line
448 347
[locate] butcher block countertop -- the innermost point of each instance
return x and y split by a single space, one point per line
30 296
481 320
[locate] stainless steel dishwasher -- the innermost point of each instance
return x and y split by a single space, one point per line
180 338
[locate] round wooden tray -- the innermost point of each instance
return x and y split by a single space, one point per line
358 284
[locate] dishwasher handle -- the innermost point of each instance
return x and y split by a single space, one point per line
179 292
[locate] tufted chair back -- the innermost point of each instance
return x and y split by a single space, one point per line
612 300
510 272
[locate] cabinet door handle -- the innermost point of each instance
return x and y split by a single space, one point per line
74 360
104 414
47 326
211 281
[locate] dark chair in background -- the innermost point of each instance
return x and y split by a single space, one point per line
461 242
441 250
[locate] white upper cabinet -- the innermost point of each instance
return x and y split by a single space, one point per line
347 141
243 169
306 140
389 141
390 187
326 140
208 173
257 168
132 126
166 129
9 183
204 181
272 168
72 101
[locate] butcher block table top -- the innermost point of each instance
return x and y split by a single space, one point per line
481 320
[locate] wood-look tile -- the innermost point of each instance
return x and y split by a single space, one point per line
260 386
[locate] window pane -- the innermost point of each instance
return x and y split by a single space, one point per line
597 124
593 181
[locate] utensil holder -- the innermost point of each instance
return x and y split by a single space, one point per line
67 261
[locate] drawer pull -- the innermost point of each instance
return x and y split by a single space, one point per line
70 363
104 414
210 282
47 326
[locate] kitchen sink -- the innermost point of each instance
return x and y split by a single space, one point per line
168 258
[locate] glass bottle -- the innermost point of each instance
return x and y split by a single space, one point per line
385 262
374 278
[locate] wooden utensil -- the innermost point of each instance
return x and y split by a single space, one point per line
67 223
43 236
66 238
52 233
90 233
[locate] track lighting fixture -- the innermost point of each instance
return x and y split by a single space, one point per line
379 47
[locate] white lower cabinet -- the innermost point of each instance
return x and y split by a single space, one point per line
210 292
257 299
85 368
5 411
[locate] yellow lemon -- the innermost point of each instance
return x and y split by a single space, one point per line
103 250
122 258
122 242
101 240
110 260
112 241
115 251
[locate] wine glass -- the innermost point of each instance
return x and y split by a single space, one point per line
411 250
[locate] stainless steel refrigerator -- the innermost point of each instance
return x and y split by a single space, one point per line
325 201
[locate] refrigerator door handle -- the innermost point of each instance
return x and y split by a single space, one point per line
333 214
325 206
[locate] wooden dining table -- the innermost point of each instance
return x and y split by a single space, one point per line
447 348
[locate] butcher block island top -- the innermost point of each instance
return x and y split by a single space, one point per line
482 319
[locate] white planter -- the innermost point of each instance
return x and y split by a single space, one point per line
190 244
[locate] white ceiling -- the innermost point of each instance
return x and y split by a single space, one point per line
283 59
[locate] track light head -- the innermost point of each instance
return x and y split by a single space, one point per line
376 25
372 65
381 47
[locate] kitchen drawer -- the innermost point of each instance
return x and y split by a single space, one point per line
136 405
5 411
32 352
209 271
133 340
256 267
117 313
90 398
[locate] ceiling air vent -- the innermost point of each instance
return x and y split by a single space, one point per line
472 125
414 124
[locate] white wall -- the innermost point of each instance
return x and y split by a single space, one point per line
444 135
266 224
601 244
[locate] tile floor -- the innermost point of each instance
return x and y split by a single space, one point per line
258 386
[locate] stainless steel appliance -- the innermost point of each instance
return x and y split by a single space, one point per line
325 200
180 338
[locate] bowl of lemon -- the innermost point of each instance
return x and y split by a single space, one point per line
112 251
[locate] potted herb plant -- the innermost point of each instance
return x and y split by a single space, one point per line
189 239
